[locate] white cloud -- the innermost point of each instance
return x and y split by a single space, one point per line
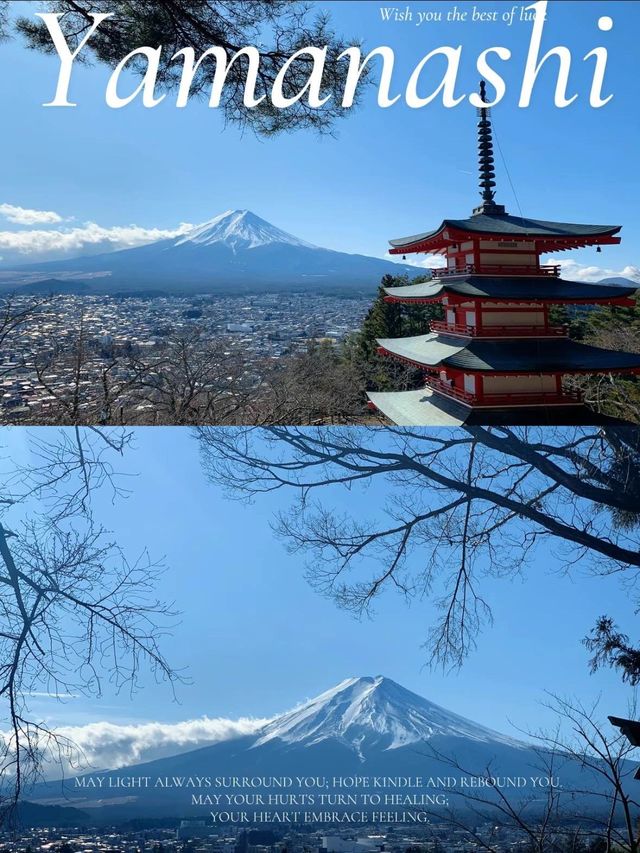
44 694
574 271
78 239
25 216
421 261
112 746
570 269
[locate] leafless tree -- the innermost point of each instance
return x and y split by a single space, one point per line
188 379
487 811
310 388
191 379
454 507
584 798
17 313
18 316
609 393
84 382
185 379
75 611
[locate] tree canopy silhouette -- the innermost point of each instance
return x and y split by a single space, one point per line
278 28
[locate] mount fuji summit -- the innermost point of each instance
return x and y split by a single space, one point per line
235 251
239 230
371 715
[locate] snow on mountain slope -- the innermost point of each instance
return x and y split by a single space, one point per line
239 229
373 709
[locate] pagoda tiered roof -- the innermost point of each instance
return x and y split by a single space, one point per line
511 288
497 356
408 408
549 236
507 356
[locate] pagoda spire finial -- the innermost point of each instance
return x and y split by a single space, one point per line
486 159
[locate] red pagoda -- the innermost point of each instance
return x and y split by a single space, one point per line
496 357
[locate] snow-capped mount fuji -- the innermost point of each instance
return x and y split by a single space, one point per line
235 252
376 713
239 230
364 728
368 725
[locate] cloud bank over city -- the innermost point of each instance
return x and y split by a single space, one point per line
112 745
45 243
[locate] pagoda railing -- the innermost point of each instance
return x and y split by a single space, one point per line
504 399
450 390
546 398
499 331
443 272
552 270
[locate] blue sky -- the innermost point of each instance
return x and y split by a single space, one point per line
257 640
387 173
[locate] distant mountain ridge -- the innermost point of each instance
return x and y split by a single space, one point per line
50 286
619 279
235 251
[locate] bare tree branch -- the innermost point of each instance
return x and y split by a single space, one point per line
454 506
